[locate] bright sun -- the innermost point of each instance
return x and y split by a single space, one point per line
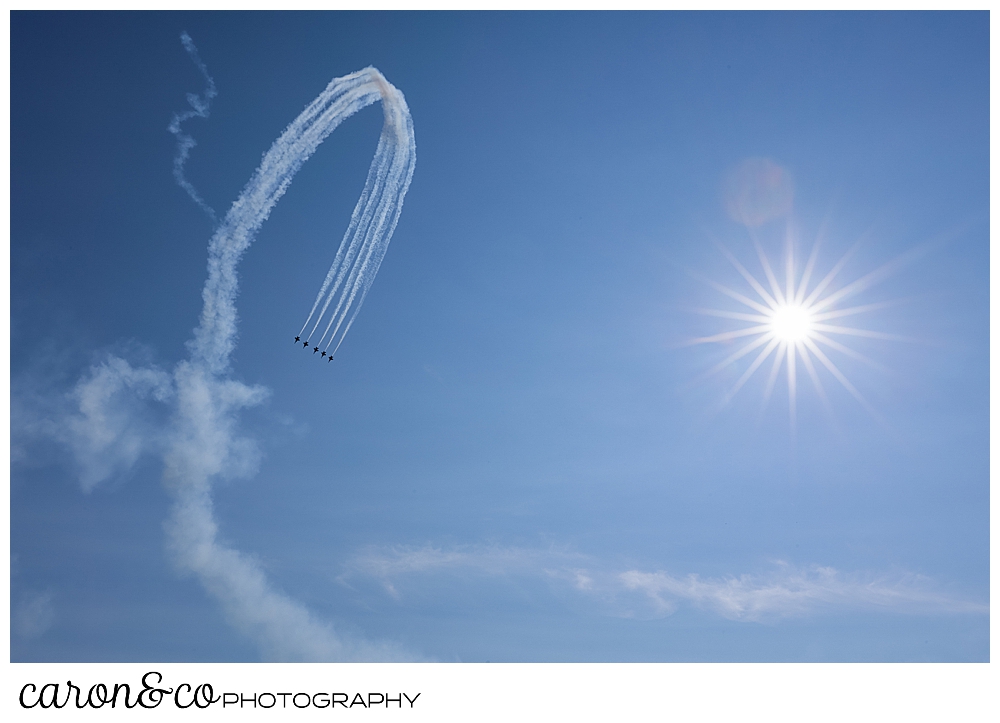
790 323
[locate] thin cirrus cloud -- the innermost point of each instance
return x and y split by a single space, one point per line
386 565
796 592
786 591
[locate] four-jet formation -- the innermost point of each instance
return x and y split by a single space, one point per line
305 345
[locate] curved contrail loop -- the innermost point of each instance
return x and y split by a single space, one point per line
374 218
372 223
204 442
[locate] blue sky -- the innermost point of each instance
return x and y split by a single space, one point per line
516 454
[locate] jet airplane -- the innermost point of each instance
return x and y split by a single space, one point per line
315 349
305 344
298 338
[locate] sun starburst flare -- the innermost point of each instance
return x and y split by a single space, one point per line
795 323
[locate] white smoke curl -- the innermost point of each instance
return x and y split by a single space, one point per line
199 108
109 432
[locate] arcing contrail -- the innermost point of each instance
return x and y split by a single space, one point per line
372 223
199 107
375 216
201 443
203 438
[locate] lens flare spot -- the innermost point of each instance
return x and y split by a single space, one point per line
758 190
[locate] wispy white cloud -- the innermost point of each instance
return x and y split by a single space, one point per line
784 591
388 564
795 592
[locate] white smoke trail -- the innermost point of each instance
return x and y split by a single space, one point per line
202 442
372 223
199 107
110 431
373 220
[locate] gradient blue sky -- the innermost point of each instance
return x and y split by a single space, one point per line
512 456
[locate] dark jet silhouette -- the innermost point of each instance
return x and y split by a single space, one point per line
305 344
315 349
322 353
298 338
330 358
